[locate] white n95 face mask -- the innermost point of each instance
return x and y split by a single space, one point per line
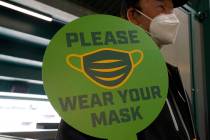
163 28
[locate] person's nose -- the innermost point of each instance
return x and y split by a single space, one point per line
168 10
168 7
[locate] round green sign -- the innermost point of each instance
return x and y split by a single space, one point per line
105 77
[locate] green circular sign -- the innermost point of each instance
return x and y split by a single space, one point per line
105 77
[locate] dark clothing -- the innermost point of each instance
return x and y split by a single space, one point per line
174 122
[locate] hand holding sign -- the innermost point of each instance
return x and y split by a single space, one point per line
105 77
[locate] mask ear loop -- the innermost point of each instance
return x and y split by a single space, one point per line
139 12
68 61
143 14
149 19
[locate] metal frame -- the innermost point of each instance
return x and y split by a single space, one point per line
204 14
199 12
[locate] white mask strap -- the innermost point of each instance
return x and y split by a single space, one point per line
146 17
143 14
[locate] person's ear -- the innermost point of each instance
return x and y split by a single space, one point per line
131 16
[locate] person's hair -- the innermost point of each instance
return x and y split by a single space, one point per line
125 5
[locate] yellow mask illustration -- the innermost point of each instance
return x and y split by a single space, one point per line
108 68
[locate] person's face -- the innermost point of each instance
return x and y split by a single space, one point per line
151 8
